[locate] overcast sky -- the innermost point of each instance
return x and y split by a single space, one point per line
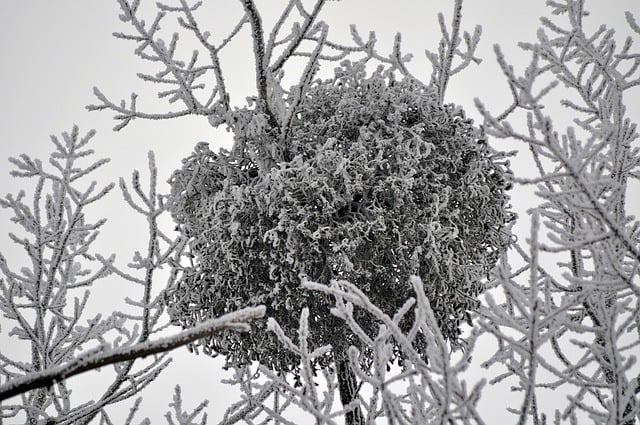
54 52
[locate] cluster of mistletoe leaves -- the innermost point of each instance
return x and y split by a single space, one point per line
381 182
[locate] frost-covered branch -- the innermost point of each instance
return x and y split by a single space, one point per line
103 356
448 49
41 301
575 332
188 80
182 417
422 389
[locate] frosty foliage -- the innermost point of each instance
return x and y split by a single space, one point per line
381 182
367 215
390 182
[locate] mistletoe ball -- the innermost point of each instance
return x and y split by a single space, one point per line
373 181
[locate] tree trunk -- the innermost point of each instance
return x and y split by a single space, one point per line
348 387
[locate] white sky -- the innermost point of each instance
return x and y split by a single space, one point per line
54 52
